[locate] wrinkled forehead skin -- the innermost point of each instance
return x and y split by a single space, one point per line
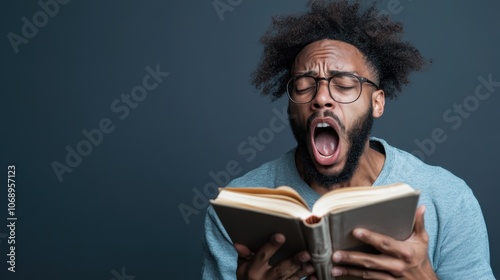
332 55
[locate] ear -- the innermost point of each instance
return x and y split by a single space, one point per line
378 103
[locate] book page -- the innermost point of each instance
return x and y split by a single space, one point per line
271 204
284 192
352 197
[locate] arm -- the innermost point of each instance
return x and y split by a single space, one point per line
463 248
218 256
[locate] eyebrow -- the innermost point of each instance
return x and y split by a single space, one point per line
308 73
331 73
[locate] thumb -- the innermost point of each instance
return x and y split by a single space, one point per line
419 227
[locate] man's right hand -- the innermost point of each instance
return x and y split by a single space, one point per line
255 265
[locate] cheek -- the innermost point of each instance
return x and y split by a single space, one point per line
365 101
297 112
351 114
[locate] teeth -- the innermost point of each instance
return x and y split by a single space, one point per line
323 124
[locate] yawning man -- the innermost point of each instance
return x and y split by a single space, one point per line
337 63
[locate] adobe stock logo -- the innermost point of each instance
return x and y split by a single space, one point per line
122 107
121 276
223 6
249 149
29 30
393 7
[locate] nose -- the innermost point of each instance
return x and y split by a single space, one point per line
323 99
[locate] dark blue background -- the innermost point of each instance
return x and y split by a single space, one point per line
119 208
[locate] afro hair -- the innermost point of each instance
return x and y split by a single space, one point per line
372 32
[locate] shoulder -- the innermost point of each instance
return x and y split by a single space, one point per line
405 166
266 174
438 186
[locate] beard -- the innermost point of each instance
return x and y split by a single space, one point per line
357 137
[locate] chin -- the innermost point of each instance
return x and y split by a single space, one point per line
329 170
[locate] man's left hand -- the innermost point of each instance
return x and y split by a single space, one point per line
398 259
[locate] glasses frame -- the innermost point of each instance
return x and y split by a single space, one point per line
361 80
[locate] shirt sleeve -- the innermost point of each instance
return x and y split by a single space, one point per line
219 258
464 249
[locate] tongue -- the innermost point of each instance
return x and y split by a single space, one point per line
325 143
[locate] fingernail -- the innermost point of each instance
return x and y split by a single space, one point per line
337 257
337 271
304 257
358 233
279 238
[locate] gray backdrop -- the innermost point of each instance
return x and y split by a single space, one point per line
108 155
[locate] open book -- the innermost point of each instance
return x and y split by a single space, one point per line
252 215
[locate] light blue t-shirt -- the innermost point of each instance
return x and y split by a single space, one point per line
458 240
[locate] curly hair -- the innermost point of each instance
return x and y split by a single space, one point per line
374 34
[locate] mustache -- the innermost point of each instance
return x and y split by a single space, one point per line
325 114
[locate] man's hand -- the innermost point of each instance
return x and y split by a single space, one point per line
399 259
256 266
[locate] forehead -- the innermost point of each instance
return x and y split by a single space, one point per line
327 55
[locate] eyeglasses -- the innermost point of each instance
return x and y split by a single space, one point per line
343 87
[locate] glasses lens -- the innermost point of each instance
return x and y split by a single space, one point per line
345 88
301 89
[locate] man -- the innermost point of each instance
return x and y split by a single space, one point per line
337 63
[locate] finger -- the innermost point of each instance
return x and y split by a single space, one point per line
295 267
298 266
243 260
243 251
369 261
244 256
360 273
306 270
269 249
382 243
303 272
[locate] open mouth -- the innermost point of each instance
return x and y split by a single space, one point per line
325 141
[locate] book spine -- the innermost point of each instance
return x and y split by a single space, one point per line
319 245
